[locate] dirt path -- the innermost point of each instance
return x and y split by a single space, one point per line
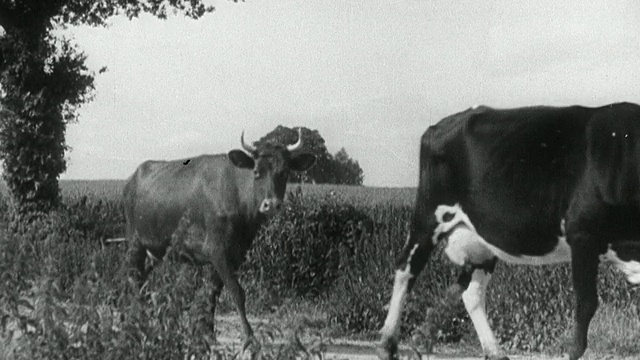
367 351
334 349
345 349
342 349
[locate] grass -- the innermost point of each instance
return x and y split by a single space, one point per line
612 331
341 242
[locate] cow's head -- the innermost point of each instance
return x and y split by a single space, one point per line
271 164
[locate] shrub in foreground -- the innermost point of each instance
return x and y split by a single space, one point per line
300 251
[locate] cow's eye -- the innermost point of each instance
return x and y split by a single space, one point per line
256 174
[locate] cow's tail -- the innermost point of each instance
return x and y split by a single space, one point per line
432 188
128 197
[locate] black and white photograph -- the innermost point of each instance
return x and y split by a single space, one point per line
288 179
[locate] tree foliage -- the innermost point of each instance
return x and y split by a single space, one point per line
346 170
328 169
44 80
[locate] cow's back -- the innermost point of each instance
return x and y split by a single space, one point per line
160 194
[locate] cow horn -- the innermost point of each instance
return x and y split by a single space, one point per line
248 148
298 144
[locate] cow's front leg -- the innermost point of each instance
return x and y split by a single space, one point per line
208 320
224 265
474 280
584 264
136 269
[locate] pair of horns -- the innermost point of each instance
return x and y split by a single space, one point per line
291 148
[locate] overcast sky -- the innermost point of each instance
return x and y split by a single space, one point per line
370 76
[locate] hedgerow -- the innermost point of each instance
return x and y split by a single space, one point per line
63 287
303 250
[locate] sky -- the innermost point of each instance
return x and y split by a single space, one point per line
371 76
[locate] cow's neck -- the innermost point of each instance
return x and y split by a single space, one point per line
250 208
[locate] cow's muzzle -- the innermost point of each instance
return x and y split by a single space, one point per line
270 207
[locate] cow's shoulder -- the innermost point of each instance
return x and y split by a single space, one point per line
620 120
613 152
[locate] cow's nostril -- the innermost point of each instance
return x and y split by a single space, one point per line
448 217
270 206
266 206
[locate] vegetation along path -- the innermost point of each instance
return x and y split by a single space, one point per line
322 269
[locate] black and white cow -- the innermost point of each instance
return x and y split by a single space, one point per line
536 185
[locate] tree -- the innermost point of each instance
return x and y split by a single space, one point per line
44 80
347 171
339 169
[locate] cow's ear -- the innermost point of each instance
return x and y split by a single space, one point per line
301 162
240 159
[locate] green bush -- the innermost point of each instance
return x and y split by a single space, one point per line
96 218
70 235
520 299
300 251
531 307
355 303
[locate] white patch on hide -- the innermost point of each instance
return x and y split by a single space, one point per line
465 244
631 268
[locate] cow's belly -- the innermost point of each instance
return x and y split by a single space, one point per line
160 230
465 246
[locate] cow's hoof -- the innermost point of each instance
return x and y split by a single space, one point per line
577 350
388 351
210 339
575 354
251 349
251 344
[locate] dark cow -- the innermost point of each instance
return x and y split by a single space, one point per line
536 185
220 201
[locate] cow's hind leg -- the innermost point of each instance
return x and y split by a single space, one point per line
207 318
215 295
474 280
409 264
136 263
